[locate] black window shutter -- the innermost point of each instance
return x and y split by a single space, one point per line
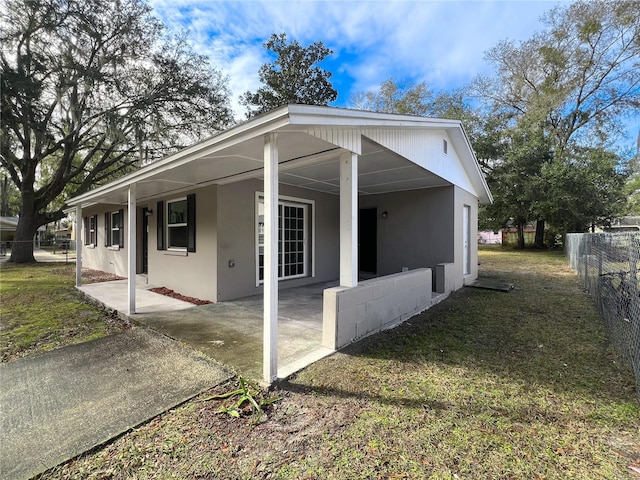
107 229
160 224
86 230
95 230
191 222
121 212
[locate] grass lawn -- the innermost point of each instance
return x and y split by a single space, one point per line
40 309
484 385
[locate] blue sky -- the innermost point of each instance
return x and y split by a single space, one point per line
439 42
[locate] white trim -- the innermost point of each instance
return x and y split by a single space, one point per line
168 225
466 240
176 253
93 231
112 229
309 223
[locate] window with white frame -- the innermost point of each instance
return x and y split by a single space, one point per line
293 238
90 226
114 229
176 224
116 226
177 231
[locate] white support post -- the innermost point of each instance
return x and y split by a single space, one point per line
131 249
348 219
79 245
270 326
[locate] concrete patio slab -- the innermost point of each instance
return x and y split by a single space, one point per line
59 404
114 295
230 332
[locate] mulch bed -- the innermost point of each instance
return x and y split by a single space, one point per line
96 276
170 293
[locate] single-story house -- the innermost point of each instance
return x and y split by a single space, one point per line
297 196
8 226
629 223
489 237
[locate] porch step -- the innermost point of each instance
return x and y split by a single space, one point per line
142 279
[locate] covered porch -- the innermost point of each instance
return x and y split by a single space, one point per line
417 176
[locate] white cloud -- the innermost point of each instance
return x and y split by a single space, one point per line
442 43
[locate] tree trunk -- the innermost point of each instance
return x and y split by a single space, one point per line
521 236
22 246
539 242
4 197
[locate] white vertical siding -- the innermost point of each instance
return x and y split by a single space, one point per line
424 148
348 139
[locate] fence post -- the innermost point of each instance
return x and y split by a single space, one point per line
633 259
600 250
587 252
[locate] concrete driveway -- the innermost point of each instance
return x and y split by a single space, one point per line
59 404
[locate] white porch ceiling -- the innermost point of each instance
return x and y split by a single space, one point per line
305 161
379 171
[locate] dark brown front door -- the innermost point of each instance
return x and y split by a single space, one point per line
368 240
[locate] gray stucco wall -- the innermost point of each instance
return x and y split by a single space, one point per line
193 273
237 234
99 257
423 229
418 231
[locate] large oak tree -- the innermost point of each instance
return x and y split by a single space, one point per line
92 89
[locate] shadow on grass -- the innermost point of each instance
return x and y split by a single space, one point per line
522 413
546 334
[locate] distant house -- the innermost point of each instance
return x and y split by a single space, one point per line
63 236
299 196
489 237
624 224
8 227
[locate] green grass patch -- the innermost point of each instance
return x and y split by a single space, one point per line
40 309
484 385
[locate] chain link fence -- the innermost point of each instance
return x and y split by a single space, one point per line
607 264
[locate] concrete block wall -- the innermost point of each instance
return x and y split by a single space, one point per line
445 277
352 313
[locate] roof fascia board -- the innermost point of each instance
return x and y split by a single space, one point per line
477 174
336 117
255 127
